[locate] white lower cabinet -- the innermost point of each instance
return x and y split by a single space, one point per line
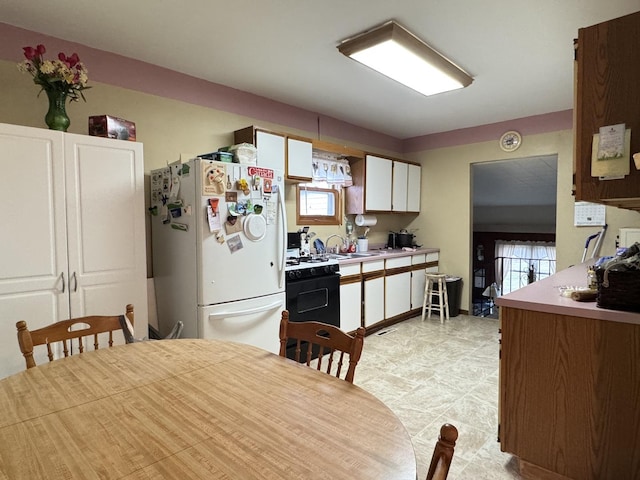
388 289
433 257
397 294
397 286
373 300
418 280
373 291
350 297
350 306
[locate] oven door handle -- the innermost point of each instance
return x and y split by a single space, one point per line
248 311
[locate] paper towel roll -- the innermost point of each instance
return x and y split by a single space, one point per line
366 220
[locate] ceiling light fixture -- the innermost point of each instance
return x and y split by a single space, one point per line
397 53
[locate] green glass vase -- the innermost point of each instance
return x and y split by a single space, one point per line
56 117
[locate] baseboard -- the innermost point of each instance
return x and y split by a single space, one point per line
530 471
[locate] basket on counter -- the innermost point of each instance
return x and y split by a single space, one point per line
622 292
618 281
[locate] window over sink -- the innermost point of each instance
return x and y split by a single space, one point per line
320 201
318 204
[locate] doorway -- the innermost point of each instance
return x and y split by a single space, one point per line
513 200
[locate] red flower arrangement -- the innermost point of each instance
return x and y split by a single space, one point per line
66 75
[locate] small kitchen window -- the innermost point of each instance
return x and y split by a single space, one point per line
317 205
319 202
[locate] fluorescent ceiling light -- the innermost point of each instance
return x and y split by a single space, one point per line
395 52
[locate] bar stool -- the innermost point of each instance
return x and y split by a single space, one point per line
440 281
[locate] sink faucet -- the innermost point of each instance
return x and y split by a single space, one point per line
326 243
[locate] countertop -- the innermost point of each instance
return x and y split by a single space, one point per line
384 253
544 296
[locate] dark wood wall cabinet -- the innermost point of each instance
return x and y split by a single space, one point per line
607 93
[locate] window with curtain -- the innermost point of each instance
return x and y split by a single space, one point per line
319 202
520 263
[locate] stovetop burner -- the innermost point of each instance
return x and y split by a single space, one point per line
313 260
292 261
305 267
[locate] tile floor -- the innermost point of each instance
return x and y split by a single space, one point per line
429 374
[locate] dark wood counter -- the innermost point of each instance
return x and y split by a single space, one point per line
569 403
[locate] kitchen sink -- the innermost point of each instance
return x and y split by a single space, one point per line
344 256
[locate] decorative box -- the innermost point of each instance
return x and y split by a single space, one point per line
112 127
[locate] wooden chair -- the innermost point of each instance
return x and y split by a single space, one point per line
443 453
328 339
63 332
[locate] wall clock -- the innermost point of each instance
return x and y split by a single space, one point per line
510 141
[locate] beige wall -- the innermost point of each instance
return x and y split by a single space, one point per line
446 211
168 128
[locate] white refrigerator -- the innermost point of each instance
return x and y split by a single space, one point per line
219 242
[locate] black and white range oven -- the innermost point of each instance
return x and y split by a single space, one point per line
313 292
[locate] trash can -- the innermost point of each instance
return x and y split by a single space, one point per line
454 292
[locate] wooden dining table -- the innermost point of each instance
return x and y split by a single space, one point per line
194 409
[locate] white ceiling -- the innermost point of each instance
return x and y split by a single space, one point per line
528 181
519 52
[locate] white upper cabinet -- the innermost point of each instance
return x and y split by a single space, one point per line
400 183
278 151
414 182
271 150
271 146
406 187
383 185
378 183
299 160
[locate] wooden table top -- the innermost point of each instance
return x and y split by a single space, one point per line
194 409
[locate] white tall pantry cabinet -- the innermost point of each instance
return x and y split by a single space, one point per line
72 240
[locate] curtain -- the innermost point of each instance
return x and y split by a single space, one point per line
333 172
519 263
504 250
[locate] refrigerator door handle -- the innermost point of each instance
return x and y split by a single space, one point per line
248 311
283 238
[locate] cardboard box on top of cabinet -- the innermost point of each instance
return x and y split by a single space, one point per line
112 127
